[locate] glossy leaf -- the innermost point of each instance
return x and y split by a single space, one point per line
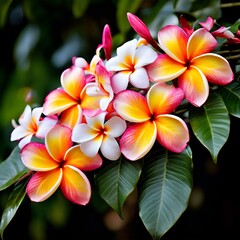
231 97
116 181
124 6
12 169
4 7
14 201
165 191
79 7
211 124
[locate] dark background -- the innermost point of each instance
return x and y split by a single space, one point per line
37 41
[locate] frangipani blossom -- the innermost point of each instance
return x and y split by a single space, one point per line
97 134
151 120
129 66
31 124
189 59
58 164
71 100
140 27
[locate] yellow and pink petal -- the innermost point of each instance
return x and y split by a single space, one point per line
216 68
75 185
43 184
58 141
71 116
172 132
75 157
36 157
132 106
195 86
57 101
165 69
73 81
164 98
138 140
173 40
200 42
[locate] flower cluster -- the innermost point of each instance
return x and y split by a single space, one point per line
119 104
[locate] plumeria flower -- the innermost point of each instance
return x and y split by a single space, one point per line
58 164
221 32
151 120
71 100
129 66
106 43
31 124
101 87
140 28
96 134
189 59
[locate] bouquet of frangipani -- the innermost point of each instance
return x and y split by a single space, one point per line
125 117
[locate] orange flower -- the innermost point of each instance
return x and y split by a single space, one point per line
188 58
151 120
58 163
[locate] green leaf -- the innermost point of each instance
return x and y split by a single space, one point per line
12 169
231 97
14 201
116 181
79 7
165 191
211 124
4 7
123 7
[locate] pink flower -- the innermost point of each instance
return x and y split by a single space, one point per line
188 59
150 120
58 164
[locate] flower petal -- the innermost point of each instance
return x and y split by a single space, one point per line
83 133
123 60
200 42
120 81
75 157
26 117
144 55
36 114
195 86
20 132
115 126
43 184
91 148
75 185
45 125
173 40
110 148
57 101
58 141
132 106
163 98
139 78
73 81
140 27
71 116
138 139
215 68
164 69
172 132
36 157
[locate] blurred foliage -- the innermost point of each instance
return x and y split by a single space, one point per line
38 40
